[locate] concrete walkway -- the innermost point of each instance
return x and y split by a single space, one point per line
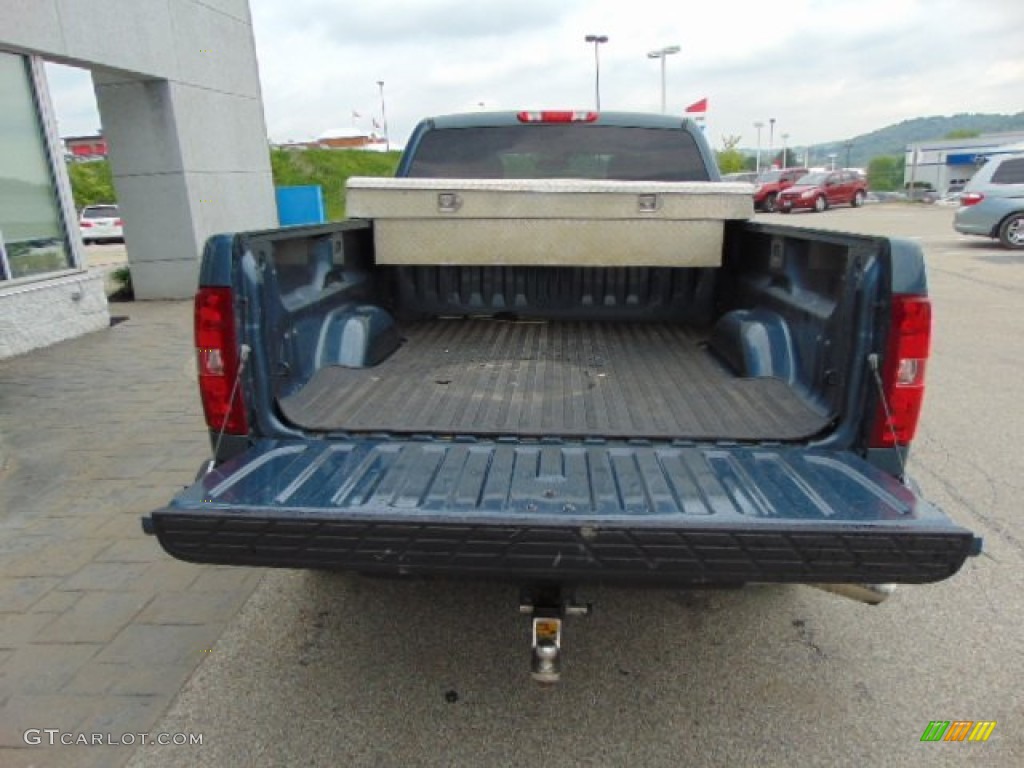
99 628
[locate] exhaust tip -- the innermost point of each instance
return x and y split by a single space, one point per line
871 594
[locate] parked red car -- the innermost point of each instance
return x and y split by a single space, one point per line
818 191
770 183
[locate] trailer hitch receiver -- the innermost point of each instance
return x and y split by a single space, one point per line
548 606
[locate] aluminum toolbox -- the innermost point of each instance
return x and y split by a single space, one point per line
547 222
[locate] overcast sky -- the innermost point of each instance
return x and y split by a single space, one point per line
824 69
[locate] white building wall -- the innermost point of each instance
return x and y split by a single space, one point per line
178 91
928 161
43 312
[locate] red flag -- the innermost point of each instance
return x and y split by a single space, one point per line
698 106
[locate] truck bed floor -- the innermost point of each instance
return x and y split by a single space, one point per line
568 379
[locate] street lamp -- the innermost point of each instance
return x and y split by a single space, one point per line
384 117
759 126
662 53
785 164
771 138
597 40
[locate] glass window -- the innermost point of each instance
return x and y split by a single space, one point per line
100 212
559 151
1009 172
33 238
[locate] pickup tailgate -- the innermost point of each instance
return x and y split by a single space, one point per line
605 512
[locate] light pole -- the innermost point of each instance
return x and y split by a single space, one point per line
832 160
759 126
771 138
785 164
849 146
384 117
597 40
662 53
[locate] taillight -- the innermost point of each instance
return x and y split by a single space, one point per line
903 372
971 198
218 362
118 223
557 116
85 224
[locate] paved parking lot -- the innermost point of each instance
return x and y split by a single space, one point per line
293 668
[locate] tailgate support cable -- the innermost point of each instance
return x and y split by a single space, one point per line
873 364
243 355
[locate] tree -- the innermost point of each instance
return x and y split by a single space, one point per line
730 159
885 173
791 160
962 133
91 183
731 141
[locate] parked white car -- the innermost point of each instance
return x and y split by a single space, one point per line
100 222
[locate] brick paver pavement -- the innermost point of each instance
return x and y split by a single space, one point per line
99 628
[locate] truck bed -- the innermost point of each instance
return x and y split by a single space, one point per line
571 379
440 390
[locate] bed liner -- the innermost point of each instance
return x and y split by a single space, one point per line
571 379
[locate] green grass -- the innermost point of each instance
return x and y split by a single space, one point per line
91 182
330 170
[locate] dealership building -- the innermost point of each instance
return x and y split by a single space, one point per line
178 93
946 162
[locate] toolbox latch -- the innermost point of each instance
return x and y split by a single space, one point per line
448 202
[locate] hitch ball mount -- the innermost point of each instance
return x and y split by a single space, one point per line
548 606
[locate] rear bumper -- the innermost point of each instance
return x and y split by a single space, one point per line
570 512
693 554
975 225
795 203
103 233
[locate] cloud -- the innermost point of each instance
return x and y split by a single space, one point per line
395 23
825 69
74 100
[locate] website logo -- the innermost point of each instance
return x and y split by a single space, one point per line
958 730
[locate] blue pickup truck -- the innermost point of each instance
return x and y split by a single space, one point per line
616 400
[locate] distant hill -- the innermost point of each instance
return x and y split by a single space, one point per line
893 139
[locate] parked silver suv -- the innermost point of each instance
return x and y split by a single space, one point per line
992 203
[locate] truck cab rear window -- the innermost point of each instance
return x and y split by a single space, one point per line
559 151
